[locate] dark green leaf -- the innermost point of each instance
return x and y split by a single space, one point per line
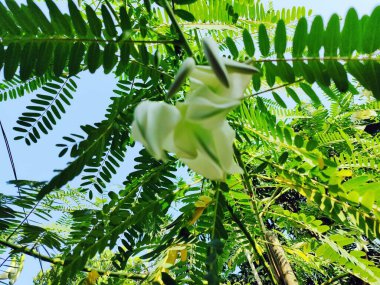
248 43
315 38
108 22
44 57
61 53
58 19
22 18
232 47
7 21
28 60
76 57
11 60
371 34
311 93
94 22
185 15
109 57
124 58
264 45
40 18
280 39
79 24
125 20
349 37
279 100
148 6
293 95
184 2
300 38
338 74
332 36
93 57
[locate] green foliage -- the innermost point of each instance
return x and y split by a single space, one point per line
311 174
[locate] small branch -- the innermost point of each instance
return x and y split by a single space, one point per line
251 241
58 261
253 268
327 58
336 278
182 37
274 88
21 39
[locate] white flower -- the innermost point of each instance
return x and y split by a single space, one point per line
197 130
153 126
207 151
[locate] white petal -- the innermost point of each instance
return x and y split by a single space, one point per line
153 126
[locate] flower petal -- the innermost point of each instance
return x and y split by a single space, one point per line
153 126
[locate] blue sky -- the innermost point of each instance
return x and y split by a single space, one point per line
38 161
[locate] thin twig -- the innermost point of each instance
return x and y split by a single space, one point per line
327 58
274 88
58 261
182 37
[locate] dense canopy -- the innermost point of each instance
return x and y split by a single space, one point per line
261 143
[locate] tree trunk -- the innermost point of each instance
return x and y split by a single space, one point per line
279 261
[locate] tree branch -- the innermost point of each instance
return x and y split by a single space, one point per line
274 88
58 261
182 37
327 58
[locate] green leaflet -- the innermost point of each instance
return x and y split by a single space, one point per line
300 38
109 57
76 17
232 47
22 18
293 94
248 43
124 58
349 37
76 57
185 15
280 39
279 100
338 75
125 20
371 39
27 60
61 53
93 57
11 60
7 21
93 21
40 18
264 45
59 21
108 22
331 37
311 93
315 38
44 58
1 55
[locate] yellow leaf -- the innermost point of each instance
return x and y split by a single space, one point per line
321 163
197 213
183 254
92 277
171 257
345 173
